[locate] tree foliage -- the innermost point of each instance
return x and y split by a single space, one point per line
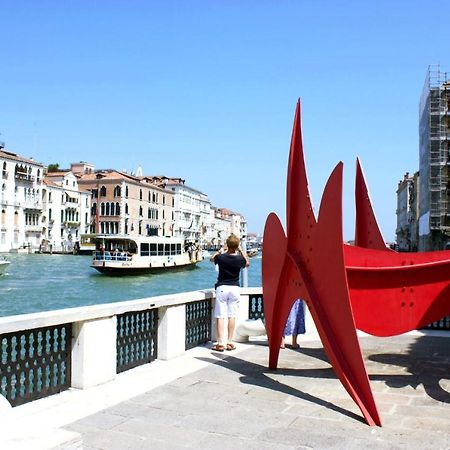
53 167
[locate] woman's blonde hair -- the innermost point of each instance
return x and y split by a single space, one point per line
233 242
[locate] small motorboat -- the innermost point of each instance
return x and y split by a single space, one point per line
4 265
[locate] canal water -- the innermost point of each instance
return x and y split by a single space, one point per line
38 282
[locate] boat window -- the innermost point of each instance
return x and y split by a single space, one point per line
153 251
167 249
173 249
145 249
160 249
178 249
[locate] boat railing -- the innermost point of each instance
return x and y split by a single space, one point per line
112 256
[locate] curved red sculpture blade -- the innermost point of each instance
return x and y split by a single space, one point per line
392 293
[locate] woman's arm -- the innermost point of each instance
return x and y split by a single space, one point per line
245 256
215 254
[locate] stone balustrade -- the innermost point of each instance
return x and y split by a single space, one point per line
30 342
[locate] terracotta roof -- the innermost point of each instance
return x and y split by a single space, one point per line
15 157
50 183
111 175
59 173
227 212
106 175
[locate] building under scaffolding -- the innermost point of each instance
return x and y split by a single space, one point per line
434 165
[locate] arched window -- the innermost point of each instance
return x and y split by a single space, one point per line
112 209
94 209
140 211
117 209
103 191
126 191
107 209
140 194
149 196
102 209
126 208
117 191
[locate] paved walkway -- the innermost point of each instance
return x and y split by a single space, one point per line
208 400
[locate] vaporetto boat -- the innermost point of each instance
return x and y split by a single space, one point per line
130 255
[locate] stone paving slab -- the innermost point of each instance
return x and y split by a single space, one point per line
235 402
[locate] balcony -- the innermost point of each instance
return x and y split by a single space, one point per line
31 204
71 203
33 228
22 176
69 224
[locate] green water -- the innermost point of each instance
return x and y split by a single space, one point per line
36 282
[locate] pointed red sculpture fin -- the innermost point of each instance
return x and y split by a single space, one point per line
367 231
299 211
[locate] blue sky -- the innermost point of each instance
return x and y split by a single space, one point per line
206 91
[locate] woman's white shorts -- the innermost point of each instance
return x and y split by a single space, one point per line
227 301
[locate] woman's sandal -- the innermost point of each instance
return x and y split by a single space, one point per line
231 347
218 348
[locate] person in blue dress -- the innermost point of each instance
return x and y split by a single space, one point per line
295 324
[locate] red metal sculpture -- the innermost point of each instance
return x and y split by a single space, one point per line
365 286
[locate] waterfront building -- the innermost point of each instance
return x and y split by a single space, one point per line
20 202
434 146
126 204
66 211
191 210
222 223
238 224
219 229
407 213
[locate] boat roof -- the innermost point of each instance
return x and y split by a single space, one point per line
140 239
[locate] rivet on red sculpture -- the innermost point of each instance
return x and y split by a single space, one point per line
365 286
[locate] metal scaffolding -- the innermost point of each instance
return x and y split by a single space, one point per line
434 157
